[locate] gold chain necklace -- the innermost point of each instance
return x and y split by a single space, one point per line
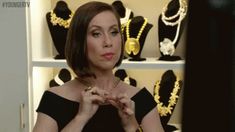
181 14
60 21
165 110
90 86
132 45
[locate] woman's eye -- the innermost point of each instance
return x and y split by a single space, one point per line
114 33
96 34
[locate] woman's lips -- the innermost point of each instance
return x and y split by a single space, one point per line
108 56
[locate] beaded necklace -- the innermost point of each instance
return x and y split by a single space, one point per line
60 21
125 19
165 110
181 14
167 47
127 16
132 45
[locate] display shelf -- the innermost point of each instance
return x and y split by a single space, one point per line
49 62
150 63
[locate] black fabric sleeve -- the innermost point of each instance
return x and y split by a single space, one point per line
48 105
144 103
58 108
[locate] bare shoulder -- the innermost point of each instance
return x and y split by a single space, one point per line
70 90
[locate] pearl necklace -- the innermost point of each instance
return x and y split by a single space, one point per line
181 14
125 19
165 110
127 16
132 45
167 47
60 21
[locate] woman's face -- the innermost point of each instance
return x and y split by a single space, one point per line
103 41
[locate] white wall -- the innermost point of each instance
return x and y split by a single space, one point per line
13 68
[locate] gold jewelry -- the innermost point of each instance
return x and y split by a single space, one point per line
165 110
181 14
60 21
123 27
132 45
88 88
140 129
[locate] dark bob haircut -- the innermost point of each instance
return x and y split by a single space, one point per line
76 44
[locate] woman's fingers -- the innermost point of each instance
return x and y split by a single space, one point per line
94 95
98 91
123 103
97 99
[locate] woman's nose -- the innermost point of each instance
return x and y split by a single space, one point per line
107 41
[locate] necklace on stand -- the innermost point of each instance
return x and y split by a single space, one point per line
60 81
165 110
125 19
181 13
60 21
167 47
132 45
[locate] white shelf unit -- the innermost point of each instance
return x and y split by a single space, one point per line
149 63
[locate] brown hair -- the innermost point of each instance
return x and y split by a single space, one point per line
76 47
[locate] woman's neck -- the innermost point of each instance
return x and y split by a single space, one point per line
106 81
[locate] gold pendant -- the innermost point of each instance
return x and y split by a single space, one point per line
132 45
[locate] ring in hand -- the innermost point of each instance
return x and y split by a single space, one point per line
88 89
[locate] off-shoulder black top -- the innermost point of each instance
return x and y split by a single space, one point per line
106 119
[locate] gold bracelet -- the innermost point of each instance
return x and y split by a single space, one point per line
139 129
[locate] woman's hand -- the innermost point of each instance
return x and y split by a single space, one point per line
91 98
126 108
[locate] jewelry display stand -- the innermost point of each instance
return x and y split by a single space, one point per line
58 21
121 73
124 12
170 27
125 15
166 94
135 34
63 76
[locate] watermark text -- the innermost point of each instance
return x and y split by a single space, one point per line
15 4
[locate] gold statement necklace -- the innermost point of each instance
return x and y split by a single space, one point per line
60 21
132 45
165 110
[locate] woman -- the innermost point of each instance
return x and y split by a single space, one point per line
96 101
